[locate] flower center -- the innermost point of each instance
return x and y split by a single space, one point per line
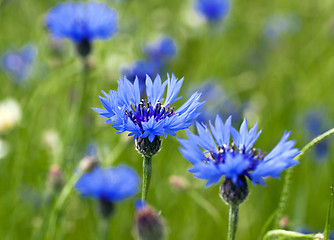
254 155
144 111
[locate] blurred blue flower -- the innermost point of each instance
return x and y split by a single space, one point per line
213 10
157 56
91 150
278 25
81 21
111 184
160 51
315 122
216 100
148 118
238 159
140 69
18 64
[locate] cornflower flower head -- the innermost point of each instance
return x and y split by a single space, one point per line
18 64
161 50
82 22
148 119
212 10
236 160
108 185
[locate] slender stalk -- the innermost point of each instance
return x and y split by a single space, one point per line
77 130
288 235
233 222
205 204
82 103
54 215
289 174
147 171
104 229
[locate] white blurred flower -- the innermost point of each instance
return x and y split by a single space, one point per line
10 114
190 17
3 148
51 139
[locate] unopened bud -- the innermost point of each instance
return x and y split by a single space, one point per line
56 178
147 148
284 222
178 183
149 225
88 163
52 141
234 194
84 48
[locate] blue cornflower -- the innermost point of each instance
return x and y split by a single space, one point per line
152 117
111 184
216 99
162 50
238 159
80 21
18 64
316 122
213 10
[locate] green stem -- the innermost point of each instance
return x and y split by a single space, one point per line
288 235
104 229
82 103
147 171
54 215
76 139
288 176
233 222
284 197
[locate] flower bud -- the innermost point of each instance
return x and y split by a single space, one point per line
149 225
56 178
147 148
234 194
284 222
178 183
88 163
84 48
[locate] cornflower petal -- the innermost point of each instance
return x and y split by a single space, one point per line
221 131
155 90
173 89
244 139
279 159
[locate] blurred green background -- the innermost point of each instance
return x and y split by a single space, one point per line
278 79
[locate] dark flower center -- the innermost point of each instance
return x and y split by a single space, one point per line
144 111
254 155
